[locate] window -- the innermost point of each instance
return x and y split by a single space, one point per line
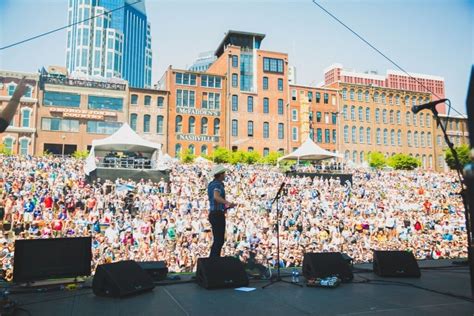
377 116
408 116
346 134
359 95
392 137
399 119
179 124
211 100
361 155
235 131
368 135
250 104
415 139
413 101
24 142
376 97
360 114
105 103
147 100
397 100
235 80
428 139
51 98
390 99
159 124
281 133
191 125
28 92
367 114
204 150
344 94
217 126
191 149
327 136
384 116
293 95
384 101
414 119
318 97
185 79
326 118
354 156
8 143
11 89
250 128
57 124
347 155
409 138
146 123
235 61
352 94
266 152
334 118
318 117
354 135
280 84
310 96
344 112
353 113
366 96
391 117
160 102
185 98
250 149
272 65
204 125
177 150
422 139
428 120
399 137
280 107
385 137
377 136
265 83
266 130
210 81
334 139
361 135
235 103
422 120
294 134
266 106
25 117
294 115
133 121
407 100
99 127
326 98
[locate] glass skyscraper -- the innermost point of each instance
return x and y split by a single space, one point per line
116 44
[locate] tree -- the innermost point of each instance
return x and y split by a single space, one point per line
252 157
221 155
463 154
4 150
187 156
376 160
79 154
271 158
403 162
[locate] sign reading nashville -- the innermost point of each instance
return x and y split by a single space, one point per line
197 138
193 111
77 113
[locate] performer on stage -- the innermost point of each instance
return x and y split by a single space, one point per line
217 208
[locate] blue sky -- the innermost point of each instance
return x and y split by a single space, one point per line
429 36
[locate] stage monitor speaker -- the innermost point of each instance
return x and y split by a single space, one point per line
121 279
221 272
324 264
156 269
395 264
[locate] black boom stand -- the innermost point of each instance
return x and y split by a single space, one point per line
278 278
467 214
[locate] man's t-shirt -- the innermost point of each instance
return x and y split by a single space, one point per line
215 185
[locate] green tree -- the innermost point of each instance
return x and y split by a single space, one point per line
237 157
376 160
463 154
271 158
187 156
221 155
78 154
4 150
252 157
403 162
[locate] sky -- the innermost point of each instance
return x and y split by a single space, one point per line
433 37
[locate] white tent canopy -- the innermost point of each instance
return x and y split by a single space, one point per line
124 139
310 151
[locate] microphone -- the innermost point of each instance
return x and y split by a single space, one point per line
417 108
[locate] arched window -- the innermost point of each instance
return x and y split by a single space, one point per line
347 155
179 124
133 121
415 138
147 100
352 94
217 126
361 155
192 125
377 136
160 102
422 139
359 95
177 150
385 136
399 137
407 100
368 136
361 114
391 117
344 94
399 118
428 120
353 113
25 117
408 116
414 119
376 97
204 150
377 116
428 139
409 138
397 99
384 116
367 114
204 125
367 96
344 112
159 124
392 137
354 135
422 120
346 134
354 156
191 149
361 135
146 123
384 101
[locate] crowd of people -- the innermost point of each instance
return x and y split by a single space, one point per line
44 197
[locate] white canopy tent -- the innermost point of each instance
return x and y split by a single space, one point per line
123 140
310 151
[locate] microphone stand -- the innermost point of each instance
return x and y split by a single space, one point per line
463 196
278 278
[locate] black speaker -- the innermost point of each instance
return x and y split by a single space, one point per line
156 269
121 279
324 264
221 272
395 264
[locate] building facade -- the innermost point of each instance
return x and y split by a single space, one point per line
114 44
196 111
20 137
73 112
458 133
257 93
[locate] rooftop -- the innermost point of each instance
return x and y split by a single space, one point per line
237 38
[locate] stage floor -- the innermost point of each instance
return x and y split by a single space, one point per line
279 299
